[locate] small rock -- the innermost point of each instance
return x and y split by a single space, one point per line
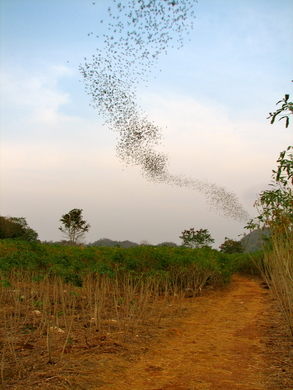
56 329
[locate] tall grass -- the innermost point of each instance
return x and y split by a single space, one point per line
277 269
275 208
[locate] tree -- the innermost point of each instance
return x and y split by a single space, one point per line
145 243
275 206
74 227
231 246
102 242
196 238
168 244
16 228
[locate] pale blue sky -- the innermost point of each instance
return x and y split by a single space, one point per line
211 99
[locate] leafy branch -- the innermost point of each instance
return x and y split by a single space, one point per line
276 206
286 108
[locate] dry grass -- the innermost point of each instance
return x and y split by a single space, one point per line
277 269
44 321
58 336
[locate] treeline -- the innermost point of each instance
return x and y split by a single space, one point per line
18 229
106 242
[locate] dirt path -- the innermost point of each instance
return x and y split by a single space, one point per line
228 339
219 346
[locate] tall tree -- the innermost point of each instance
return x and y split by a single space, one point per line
74 226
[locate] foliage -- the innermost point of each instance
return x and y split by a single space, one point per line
179 265
102 242
196 238
167 244
16 228
231 246
74 227
247 263
286 109
277 270
275 206
275 209
284 173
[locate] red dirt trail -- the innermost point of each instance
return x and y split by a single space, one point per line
233 338
219 345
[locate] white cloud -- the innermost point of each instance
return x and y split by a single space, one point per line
32 91
35 109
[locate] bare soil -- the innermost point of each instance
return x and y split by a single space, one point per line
228 339
226 342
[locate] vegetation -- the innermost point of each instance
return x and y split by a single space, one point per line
167 244
74 227
72 263
285 110
275 208
16 228
57 298
276 214
231 246
196 238
106 242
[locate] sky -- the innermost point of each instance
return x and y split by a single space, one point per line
211 99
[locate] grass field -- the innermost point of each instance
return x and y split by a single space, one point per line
57 298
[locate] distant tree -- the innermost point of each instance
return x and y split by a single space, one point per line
16 228
106 242
74 227
127 244
167 244
196 238
231 246
145 243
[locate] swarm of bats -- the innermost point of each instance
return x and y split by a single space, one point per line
137 34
